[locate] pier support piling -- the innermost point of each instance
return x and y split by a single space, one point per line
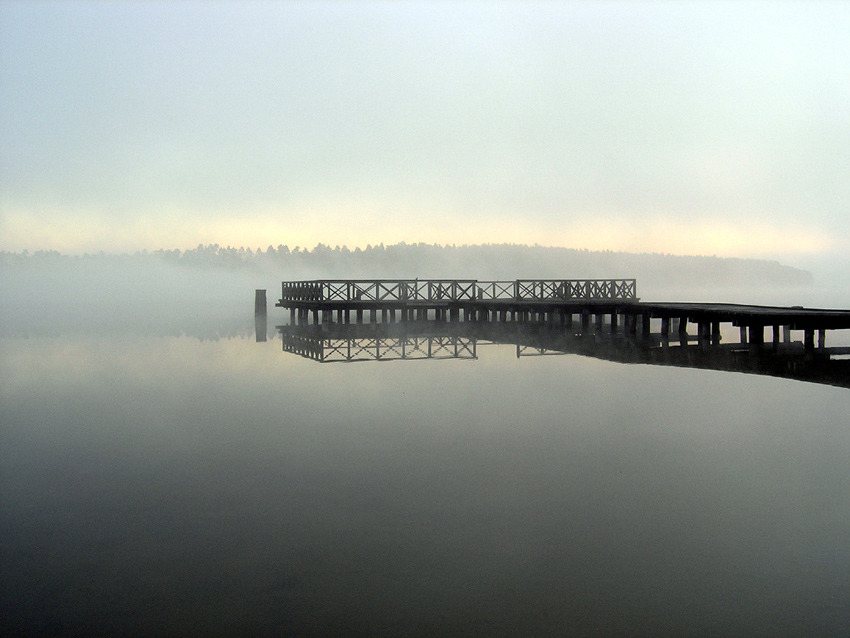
809 339
646 325
756 337
585 321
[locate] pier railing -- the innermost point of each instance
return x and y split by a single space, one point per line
439 290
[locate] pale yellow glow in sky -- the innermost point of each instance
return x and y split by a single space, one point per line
708 128
87 233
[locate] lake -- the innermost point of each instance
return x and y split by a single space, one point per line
185 486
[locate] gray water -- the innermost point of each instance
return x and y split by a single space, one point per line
174 486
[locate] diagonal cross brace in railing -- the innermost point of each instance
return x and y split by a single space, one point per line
440 290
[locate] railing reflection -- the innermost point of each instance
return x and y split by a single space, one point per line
349 345
416 340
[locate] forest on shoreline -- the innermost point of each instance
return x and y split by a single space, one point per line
485 261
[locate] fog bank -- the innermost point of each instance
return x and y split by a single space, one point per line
208 292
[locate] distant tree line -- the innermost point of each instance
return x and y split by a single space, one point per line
402 260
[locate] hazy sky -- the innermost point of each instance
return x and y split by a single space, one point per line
682 127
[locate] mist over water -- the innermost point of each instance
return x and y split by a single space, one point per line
163 473
204 292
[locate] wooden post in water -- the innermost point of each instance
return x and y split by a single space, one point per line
809 339
703 332
260 316
683 331
259 302
646 325
756 337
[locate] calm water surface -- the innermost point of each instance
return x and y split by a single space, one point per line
174 486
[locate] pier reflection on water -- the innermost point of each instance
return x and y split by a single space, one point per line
417 340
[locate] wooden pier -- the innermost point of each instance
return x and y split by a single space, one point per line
572 305
391 300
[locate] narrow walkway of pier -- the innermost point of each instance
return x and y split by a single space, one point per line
572 305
